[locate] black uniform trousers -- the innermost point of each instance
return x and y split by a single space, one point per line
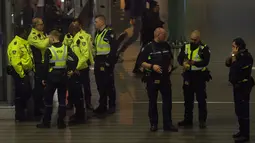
38 90
76 95
22 94
105 83
50 89
242 98
162 84
194 83
85 81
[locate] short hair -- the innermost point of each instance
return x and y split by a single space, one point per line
56 34
240 43
78 20
35 21
101 17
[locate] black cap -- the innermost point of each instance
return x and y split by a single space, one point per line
240 43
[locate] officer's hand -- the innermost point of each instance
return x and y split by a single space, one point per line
107 64
70 73
77 72
157 68
169 68
130 31
132 21
191 62
43 82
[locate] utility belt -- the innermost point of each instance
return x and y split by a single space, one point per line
148 75
204 73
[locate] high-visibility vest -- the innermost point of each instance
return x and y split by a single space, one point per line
102 47
59 57
194 55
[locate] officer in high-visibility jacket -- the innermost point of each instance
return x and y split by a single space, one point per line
21 63
85 79
75 83
39 43
55 77
195 57
105 60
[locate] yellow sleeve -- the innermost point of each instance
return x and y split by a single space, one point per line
41 44
15 60
84 48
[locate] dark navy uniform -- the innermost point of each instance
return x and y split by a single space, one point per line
240 77
105 60
195 76
158 54
56 65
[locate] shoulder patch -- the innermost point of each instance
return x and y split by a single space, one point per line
15 43
14 52
81 37
35 37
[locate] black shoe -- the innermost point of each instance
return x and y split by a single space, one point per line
111 110
237 135
242 139
76 122
89 107
202 125
69 106
170 128
61 124
43 126
154 128
100 110
185 123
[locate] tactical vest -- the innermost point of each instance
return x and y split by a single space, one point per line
194 55
59 57
102 47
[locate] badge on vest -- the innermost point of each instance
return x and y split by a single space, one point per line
157 81
101 68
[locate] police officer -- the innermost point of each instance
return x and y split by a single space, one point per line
240 64
75 85
39 43
105 60
156 58
21 63
55 77
85 78
194 57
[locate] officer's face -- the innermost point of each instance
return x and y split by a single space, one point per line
98 23
162 36
234 48
40 25
194 38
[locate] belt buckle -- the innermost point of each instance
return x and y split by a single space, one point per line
101 68
157 81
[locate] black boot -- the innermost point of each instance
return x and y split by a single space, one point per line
170 128
61 124
154 128
185 123
43 125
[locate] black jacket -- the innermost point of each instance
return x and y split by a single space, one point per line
241 68
135 7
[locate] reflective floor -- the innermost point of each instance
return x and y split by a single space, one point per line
130 123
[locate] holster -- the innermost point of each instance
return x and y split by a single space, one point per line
207 75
